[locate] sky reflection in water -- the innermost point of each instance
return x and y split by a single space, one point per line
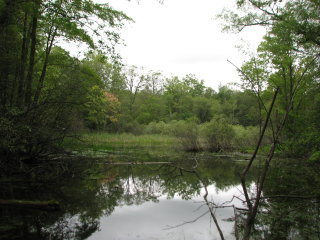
151 220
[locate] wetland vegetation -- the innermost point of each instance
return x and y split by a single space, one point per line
89 143
118 195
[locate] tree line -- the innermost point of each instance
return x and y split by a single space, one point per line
46 94
41 84
286 63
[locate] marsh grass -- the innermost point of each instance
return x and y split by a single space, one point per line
184 136
109 142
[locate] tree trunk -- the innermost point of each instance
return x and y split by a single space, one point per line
23 62
50 41
29 81
42 205
253 208
7 41
252 214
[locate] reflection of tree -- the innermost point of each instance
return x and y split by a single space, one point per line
82 200
290 210
90 190
138 188
175 181
201 183
293 206
65 228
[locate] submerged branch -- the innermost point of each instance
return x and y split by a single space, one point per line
210 205
288 196
187 222
137 163
212 213
41 205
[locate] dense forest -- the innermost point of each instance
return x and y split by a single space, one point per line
47 95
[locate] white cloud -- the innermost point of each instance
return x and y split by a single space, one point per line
181 37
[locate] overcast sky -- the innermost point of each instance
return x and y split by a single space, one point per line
182 36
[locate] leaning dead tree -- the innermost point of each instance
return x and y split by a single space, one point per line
296 80
211 206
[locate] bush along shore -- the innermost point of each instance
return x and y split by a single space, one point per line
213 136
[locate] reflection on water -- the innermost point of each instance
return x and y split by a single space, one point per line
103 200
159 220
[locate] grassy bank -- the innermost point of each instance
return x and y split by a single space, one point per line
184 136
109 141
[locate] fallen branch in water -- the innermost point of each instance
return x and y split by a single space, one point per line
210 205
287 196
137 163
211 211
41 205
186 222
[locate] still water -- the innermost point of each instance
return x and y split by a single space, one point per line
167 219
116 197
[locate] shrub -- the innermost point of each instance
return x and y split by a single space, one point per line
245 137
315 156
187 132
218 135
157 128
29 136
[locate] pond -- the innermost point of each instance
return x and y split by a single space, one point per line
154 194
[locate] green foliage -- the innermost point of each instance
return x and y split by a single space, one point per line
42 84
158 128
11 131
248 110
101 108
127 125
286 66
245 137
187 132
108 72
286 214
287 60
73 18
179 95
315 156
150 108
218 134
26 139
202 108
99 93
97 143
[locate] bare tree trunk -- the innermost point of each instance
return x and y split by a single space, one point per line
252 214
246 170
7 47
212 213
29 80
50 40
20 97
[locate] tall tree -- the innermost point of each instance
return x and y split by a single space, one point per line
29 31
291 49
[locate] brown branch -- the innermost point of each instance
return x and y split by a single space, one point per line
212 213
263 10
288 196
187 222
41 205
246 170
205 199
264 23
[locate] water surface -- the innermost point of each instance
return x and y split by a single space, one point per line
116 197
